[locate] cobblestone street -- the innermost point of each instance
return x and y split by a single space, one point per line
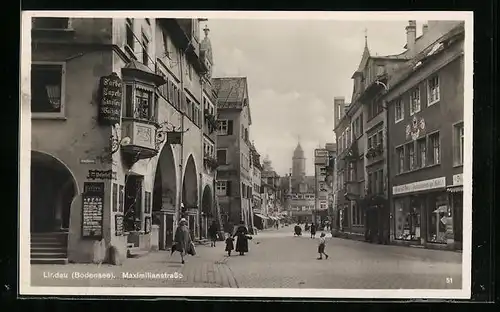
277 260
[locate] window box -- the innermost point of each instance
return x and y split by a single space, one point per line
211 121
210 161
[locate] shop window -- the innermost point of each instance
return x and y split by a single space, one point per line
407 219
144 106
439 214
47 89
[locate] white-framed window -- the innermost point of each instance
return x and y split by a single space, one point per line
145 48
208 148
48 89
323 206
433 95
130 37
222 156
422 152
399 111
415 101
223 127
400 151
221 188
434 148
458 152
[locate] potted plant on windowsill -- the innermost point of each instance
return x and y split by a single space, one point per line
212 121
211 161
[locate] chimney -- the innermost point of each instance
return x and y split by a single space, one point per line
425 28
411 35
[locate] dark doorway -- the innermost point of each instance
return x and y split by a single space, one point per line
133 202
53 189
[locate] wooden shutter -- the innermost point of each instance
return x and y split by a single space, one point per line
228 188
229 127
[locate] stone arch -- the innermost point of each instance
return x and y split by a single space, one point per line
53 188
165 182
207 205
190 184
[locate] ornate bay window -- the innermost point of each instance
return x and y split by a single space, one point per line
140 116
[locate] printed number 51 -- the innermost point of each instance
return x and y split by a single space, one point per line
449 280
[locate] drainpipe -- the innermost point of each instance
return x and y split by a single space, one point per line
181 162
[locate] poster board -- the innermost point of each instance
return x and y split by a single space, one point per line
92 210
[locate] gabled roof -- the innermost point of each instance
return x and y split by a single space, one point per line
232 92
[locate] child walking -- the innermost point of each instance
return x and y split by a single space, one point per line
321 246
229 244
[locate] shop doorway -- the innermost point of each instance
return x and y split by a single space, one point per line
133 203
53 189
208 210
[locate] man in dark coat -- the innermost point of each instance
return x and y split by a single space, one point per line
212 233
242 238
313 230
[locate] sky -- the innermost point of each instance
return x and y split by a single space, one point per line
294 70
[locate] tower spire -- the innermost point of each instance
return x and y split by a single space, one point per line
366 37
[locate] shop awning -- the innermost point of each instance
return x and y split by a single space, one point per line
261 216
455 189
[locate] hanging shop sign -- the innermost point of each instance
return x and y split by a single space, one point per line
320 157
92 210
101 175
118 225
110 99
174 137
419 186
414 129
458 179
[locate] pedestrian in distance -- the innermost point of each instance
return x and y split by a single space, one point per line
242 238
321 246
229 244
182 238
313 230
212 232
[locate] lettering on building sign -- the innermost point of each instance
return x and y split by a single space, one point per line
87 161
419 186
92 210
110 102
414 129
101 175
118 225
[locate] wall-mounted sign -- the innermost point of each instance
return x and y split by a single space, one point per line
118 225
419 186
87 161
413 130
101 175
92 210
174 137
110 99
458 179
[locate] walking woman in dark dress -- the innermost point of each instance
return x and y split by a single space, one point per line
242 238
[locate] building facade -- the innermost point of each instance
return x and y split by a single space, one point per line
426 142
322 187
112 101
258 215
234 176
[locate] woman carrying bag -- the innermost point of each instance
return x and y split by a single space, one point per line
242 238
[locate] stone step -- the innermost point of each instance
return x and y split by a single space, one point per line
49 255
49 261
44 249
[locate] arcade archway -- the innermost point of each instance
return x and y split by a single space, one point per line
190 194
208 212
53 188
164 195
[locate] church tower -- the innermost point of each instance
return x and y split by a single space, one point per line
298 162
